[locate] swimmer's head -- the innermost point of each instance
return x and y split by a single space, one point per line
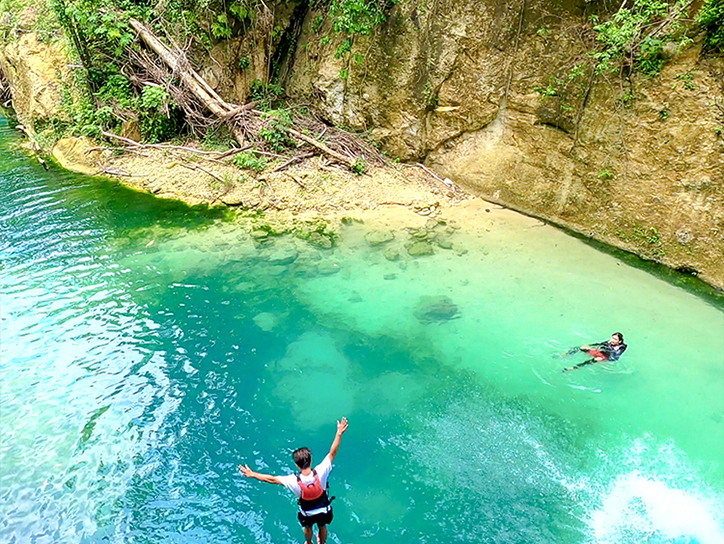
303 458
617 338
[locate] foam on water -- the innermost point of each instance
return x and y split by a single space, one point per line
642 509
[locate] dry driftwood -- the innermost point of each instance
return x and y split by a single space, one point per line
177 62
323 148
133 143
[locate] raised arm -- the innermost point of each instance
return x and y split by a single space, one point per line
268 478
341 428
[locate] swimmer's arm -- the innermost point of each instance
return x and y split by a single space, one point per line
268 478
341 428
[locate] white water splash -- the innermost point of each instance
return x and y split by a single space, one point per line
641 509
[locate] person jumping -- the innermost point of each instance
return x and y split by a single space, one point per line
309 486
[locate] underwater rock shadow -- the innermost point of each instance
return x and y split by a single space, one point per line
436 309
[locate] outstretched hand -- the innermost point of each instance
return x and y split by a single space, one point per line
246 471
342 426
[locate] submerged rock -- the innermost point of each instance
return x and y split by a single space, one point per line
444 242
320 240
327 268
418 249
259 234
266 321
436 309
391 254
379 237
283 257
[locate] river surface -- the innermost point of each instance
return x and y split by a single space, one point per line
148 348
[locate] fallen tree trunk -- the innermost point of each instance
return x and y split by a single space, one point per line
178 63
176 60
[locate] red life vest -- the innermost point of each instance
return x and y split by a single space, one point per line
313 495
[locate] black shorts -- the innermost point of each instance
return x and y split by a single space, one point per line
320 519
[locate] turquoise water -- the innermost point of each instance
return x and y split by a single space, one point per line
148 348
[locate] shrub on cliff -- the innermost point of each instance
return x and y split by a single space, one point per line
711 19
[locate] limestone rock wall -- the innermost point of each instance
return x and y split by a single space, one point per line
35 71
453 83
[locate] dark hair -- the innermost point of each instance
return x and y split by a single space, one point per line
303 458
620 336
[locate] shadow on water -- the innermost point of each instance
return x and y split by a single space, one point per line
119 208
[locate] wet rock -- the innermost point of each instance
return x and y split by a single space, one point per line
436 309
283 257
259 234
320 240
459 249
444 243
419 249
419 233
379 237
327 268
391 254
390 276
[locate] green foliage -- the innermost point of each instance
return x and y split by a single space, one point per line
276 134
359 16
605 174
154 98
664 113
626 99
432 99
649 238
360 166
352 18
711 19
220 28
317 23
635 37
116 90
250 161
344 47
568 87
549 91
266 94
344 74
650 58
688 79
160 119
244 63
218 139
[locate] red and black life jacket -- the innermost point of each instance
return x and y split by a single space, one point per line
313 496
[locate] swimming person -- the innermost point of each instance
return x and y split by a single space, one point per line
309 486
610 350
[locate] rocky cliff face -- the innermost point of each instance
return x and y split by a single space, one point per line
638 164
35 72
